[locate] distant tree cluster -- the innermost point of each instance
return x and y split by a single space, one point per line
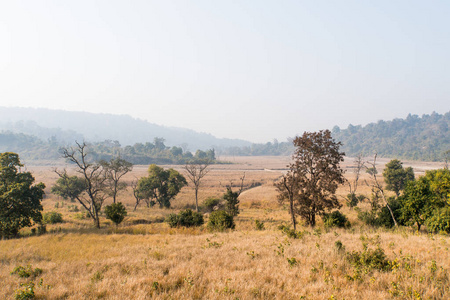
417 138
270 148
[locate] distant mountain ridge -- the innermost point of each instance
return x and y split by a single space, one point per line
62 125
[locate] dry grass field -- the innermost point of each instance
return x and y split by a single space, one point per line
146 259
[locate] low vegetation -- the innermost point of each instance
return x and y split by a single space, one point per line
241 244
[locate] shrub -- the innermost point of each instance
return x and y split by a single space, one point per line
352 199
25 272
210 203
26 293
52 217
335 219
439 221
369 259
259 225
186 218
116 212
220 220
291 233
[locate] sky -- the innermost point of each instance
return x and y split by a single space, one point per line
254 70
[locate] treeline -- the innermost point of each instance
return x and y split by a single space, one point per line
271 148
32 148
416 138
148 153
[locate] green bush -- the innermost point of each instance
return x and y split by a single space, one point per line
52 217
352 199
259 225
25 272
186 218
439 221
210 203
220 220
335 219
27 293
116 212
291 233
369 259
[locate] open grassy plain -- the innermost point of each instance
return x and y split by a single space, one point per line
143 258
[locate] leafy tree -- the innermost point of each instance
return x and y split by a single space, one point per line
427 199
69 187
396 177
20 200
316 172
160 185
416 202
93 174
116 212
196 170
115 169
231 198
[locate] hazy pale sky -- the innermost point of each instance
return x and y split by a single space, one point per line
255 70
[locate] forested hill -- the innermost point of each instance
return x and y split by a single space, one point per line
67 126
417 138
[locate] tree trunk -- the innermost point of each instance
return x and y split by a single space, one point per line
291 203
196 198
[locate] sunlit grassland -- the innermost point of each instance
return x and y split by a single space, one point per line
143 258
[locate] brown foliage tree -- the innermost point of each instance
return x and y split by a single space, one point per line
314 176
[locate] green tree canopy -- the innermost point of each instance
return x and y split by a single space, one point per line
396 177
116 212
160 185
20 200
426 197
69 187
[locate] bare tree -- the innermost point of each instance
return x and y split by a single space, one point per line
115 169
376 186
137 196
93 196
196 170
352 198
287 188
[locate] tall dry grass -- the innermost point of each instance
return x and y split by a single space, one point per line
145 259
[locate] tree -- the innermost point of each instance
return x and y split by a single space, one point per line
196 170
115 169
20 200
93 195
231 198
68 186
352 198
136 194
160 185
288 189
116 212
377 189
315 173
416 203
396 177
426 198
